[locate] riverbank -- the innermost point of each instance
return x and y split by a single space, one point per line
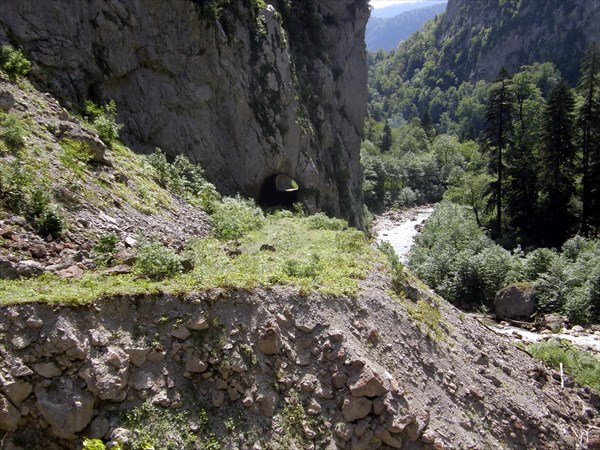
400 228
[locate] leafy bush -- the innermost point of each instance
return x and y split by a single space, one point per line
45 218
106 248
15 182
104 120
21 195
93 444
397 267
12 131
184 178
76 156
235 217
156 261
307 267
14 63
320 221
582 366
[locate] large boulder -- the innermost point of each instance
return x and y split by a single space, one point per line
516 301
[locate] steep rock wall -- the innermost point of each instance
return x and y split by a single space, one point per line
247 92
481 37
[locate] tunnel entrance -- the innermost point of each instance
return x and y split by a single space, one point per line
278 191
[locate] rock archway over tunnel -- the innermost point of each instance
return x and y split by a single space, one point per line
279 191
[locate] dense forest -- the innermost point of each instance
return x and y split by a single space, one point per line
520 154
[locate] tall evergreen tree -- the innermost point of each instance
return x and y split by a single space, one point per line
522 167
386 138
557 167
497 135
589 124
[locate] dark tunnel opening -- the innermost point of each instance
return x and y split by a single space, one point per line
278 191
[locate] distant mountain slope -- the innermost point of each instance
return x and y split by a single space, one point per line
478 38
394 10
386 34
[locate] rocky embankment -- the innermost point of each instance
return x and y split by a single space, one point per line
293 371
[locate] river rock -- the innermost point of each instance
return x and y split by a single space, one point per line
516 302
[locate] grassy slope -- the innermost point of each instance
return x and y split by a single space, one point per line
312 254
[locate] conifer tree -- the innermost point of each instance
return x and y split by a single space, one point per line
497 136
521 170
386 138
589 125
557 167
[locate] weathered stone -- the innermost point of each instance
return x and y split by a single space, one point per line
29 268
387 438
181 332
143 380
197 323
593 439
237 363
99 428
107 374
7 101
267 400
399 423
269 341
16 390
368 383
64 338
367 442
338 379
515 302
314 408
46 370
21 342
65 405
193 363
344 431
218 398
137 355
9 415
355 408
70 272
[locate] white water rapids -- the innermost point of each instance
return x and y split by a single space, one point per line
402 235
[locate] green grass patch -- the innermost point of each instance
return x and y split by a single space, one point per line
428 315
329 262
581 365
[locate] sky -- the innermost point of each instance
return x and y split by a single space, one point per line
383 3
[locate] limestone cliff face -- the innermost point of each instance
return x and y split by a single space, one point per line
246 91
480 37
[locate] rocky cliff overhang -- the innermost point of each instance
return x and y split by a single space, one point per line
248 91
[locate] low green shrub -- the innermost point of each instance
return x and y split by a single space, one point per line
105 250
235 217
21 195
14 63
75 156
155 261
185 179
581 365
320 221
104 120
12 132
397 267
306 267
93 444
159 428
